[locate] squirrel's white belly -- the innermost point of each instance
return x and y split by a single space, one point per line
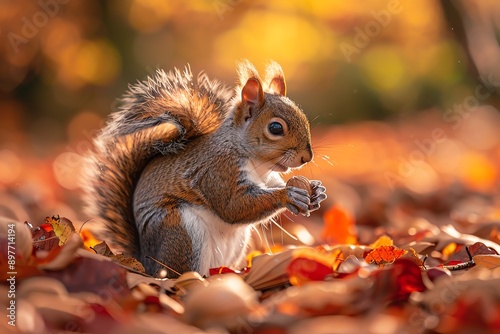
214 241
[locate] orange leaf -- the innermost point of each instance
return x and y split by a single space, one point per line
384 254
339 227
89 240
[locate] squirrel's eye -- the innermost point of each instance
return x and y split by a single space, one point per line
276 129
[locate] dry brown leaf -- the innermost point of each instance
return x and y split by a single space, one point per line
128 262
102 249
269 270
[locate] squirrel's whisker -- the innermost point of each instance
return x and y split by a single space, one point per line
163 264
284 230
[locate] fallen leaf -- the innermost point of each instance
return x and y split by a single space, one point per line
224 302
63 227
461 254
188 281
413 257
44 237
487 260
382 241
339 227
350 265
399 280
269 270
91 242
128 262
89 274
102 249
384 254
66 254
310 265
480 248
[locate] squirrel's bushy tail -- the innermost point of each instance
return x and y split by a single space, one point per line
156 117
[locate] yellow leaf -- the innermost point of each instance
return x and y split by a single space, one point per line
63 227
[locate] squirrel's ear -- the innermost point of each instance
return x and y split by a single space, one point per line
275 79
252 93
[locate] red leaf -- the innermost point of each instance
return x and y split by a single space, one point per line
303 269
220 270
476 249
408 279
400 279
480 248
44 237
88 274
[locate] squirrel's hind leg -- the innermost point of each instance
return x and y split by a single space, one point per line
164 238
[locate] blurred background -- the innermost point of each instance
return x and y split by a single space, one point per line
402 95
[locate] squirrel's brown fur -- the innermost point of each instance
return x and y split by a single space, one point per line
156 117
183 169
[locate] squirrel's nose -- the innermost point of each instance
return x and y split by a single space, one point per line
307 154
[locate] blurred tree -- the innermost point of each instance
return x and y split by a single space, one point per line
344 61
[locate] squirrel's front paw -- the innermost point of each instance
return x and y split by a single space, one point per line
299 201
318 195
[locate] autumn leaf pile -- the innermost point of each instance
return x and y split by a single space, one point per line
399 246
424 279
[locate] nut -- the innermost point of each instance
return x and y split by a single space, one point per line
300 182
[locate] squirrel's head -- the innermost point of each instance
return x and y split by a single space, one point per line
276 129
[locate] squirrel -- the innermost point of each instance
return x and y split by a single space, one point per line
185 168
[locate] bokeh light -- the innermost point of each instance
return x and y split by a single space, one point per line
375 78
